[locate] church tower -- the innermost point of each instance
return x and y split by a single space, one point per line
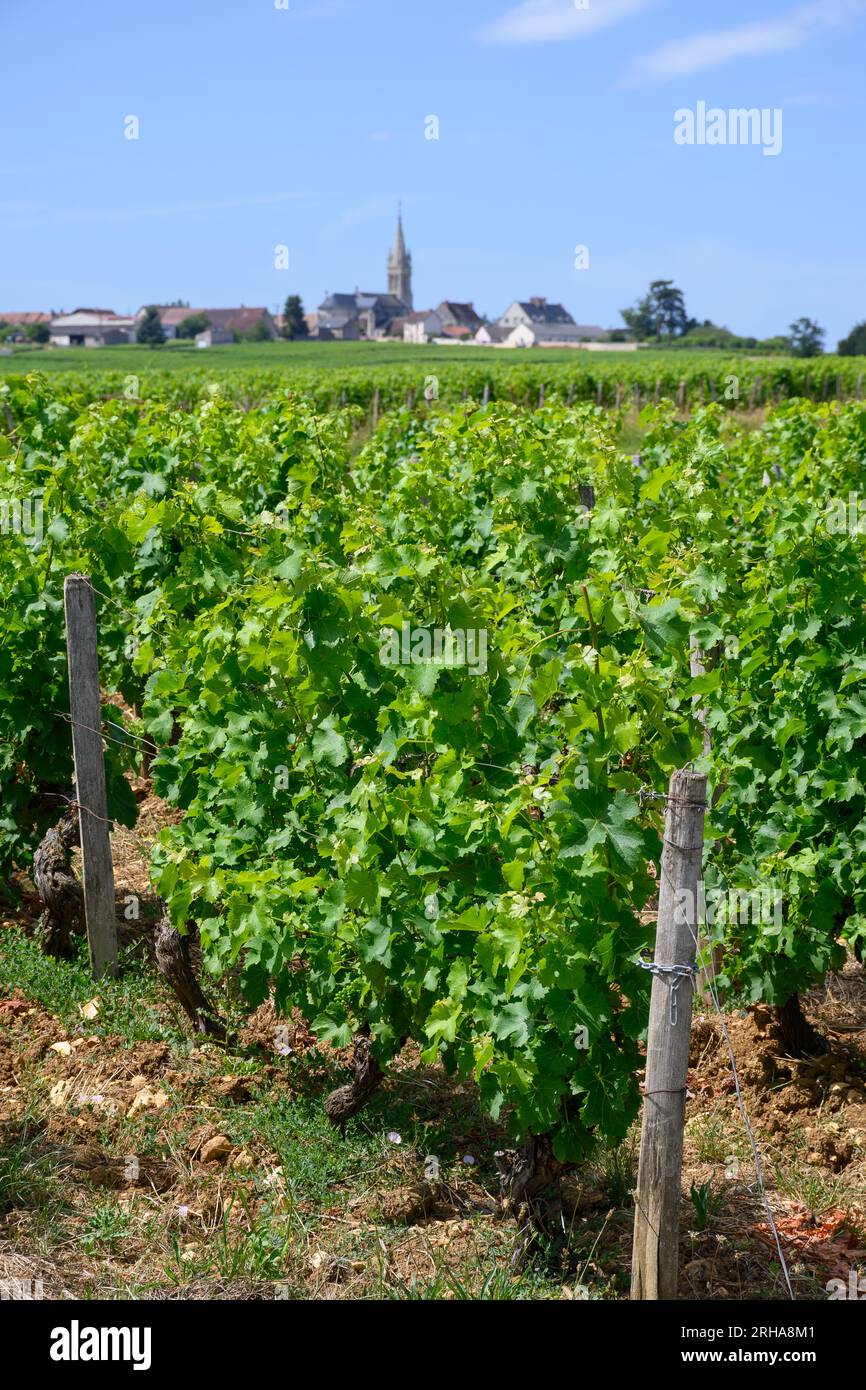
400 267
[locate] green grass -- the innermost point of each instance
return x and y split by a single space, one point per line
128 1005
234 356
307 356
28 1175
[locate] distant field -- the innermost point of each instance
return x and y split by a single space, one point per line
276 356
304 356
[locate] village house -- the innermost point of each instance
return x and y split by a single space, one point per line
421 326
231 322
458 320
495 335
91 328
18 323
534 312
213 337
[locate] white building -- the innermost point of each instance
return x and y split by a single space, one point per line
91 328
495 335
535 312
421 326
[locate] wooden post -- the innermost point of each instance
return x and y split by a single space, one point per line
486 396
681 396
84 706
541 395
570 400
657 390
599 392
657 1197
375 407
618 395
410 398
859 387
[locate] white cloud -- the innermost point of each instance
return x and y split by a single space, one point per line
697 52
542 21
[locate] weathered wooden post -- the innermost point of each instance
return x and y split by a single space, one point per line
657 1197
486 394
375 420
599 392
541 395
681 396
618 398
410 398
570 400
85 711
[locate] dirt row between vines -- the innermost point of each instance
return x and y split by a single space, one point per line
162 1166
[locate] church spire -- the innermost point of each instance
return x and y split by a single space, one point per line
400 265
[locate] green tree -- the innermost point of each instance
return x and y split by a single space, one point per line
258 332
294 323
855 344
37 333
661 313
806 338
640 319
192 324
150 329
672 321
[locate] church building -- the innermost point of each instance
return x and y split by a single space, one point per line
368 314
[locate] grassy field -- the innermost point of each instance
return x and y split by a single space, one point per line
307 356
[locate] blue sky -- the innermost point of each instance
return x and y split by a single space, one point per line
303 126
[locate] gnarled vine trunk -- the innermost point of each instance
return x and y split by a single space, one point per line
529 1189
58 888
796 1034
347 1101
174 964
